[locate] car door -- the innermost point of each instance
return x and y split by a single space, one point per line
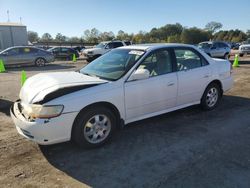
155 94
193 72
56 52
64 52
224 48
27 55
215 50
13 56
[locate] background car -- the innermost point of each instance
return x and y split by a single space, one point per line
24 55
244 49
215 49
79 48
102 48
63 52
234 45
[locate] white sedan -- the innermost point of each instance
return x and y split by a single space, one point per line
125 85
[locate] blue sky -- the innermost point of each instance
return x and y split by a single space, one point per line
72 17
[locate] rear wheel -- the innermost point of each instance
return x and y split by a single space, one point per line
211 97
40 62
93 127
241 55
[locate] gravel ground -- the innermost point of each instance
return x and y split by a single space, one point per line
185 148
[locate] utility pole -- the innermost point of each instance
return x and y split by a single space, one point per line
8 14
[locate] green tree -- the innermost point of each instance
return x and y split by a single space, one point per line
213 26
121 35
33 36
92 35
46 37
106 36
174 39
74 39
230 36
194 35
60 38
248 33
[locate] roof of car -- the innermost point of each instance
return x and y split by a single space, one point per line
153 46
22 47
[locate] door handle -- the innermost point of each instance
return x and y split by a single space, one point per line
171 84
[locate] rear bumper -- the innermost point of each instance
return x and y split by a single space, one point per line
227 83
43 131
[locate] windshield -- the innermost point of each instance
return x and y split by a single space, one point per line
51 49
205 45
113 65
6 50
100 45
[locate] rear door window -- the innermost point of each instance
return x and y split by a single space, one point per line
117 44
64 50
187 59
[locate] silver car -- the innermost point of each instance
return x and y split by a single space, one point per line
26 55
215 49
244 49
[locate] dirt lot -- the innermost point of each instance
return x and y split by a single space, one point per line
186 148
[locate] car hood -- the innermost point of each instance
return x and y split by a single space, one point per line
92 50
37 87
245 45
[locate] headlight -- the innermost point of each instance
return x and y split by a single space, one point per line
42 111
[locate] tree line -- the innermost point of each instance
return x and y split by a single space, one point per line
171 33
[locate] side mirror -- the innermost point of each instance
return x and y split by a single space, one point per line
5 53
213 48
107 47
139 74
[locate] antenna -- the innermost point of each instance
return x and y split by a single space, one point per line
8 14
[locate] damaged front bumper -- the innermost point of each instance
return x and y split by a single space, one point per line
43 131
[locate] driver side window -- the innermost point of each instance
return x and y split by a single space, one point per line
158 63
14 51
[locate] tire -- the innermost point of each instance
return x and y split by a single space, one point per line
40 62
211 97
241 55
93 127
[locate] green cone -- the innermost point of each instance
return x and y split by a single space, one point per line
74 58
236 61
23 77
2 68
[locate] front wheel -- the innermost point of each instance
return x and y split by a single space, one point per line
93 127
211 97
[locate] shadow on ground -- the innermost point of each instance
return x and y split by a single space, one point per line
5 106
148 152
